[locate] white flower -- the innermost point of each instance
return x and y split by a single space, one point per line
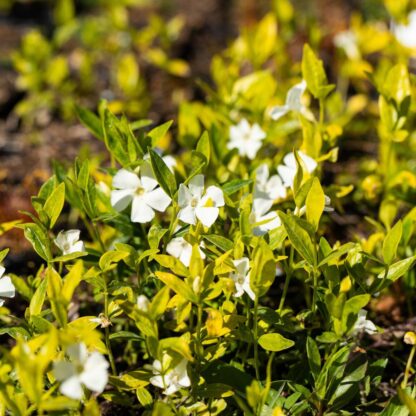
347 41
264 222
266 190
241 278
7 289
195 204
143 193
69 242
83 368
293 102
363 325
246 139
288 171
171 380
143 303
178 247
406 34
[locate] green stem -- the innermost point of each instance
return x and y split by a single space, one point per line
408 367
315 290
199 348
255 336
288 271
107 332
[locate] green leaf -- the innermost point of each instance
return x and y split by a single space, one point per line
90 121
344 249
158 132
314 74
36 303
315 203
54 204
407 400
173 264
110 257
204 146
72 280
275 342
39 239
263 271
391 242
163 174
314 358
398 269
235 185
178 286
299 237
221 242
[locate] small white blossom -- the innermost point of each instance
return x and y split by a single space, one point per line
68 242
363 325
264 222
195 204
293 102
347 40
170 379
288 170
142 192
83 368
7 289
178 247
266 190
241 278
143 303
246 139
406 34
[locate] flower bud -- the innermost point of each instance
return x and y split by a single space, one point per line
345 284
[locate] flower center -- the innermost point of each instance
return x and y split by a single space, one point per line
194 202
139 191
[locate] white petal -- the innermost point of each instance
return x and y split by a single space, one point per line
95 374
143 303
261 206
72 388
287 174
173 388
406 34
309 162
157 199
77 247
257 134
2 270
294 96
262 174
7 289
278 111
247 288
275 188
63 370
215 194
242 265
184 196
140 211
207 215
157 381
187 215
175 246
147 177
120 199
170 162
252 148
72 236
124 179
77 352
196 186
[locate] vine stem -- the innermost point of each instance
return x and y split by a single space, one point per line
408 367
255 336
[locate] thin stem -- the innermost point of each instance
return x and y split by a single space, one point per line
287 280
315 290
408 367
107 332
255 336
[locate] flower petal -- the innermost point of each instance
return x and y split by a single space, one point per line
287 174
72 388
278 111
207 215
196 186
294 96
77 352
252 148
187 215
242 265
140 211
63 370
184 196
7 289
215 194
157 199
95 374
124 179
120 199
147 177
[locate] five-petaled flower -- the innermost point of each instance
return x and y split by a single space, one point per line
142 192
68 242
246 139
7 289
178 247
293 102
83 368
288 170
170 379
362 324
241 278
195 204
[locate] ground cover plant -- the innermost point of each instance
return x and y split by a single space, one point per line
234 260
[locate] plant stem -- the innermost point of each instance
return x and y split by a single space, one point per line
107 332
315 290
408 367
288 271
255 336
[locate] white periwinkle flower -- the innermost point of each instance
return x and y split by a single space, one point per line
347 40
170 379
406 34
68 242
266 190
195 204
83 368
246 139
264 222
241 278
288 170
7 289
293 102
362 324
178 247
142 192
143 303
